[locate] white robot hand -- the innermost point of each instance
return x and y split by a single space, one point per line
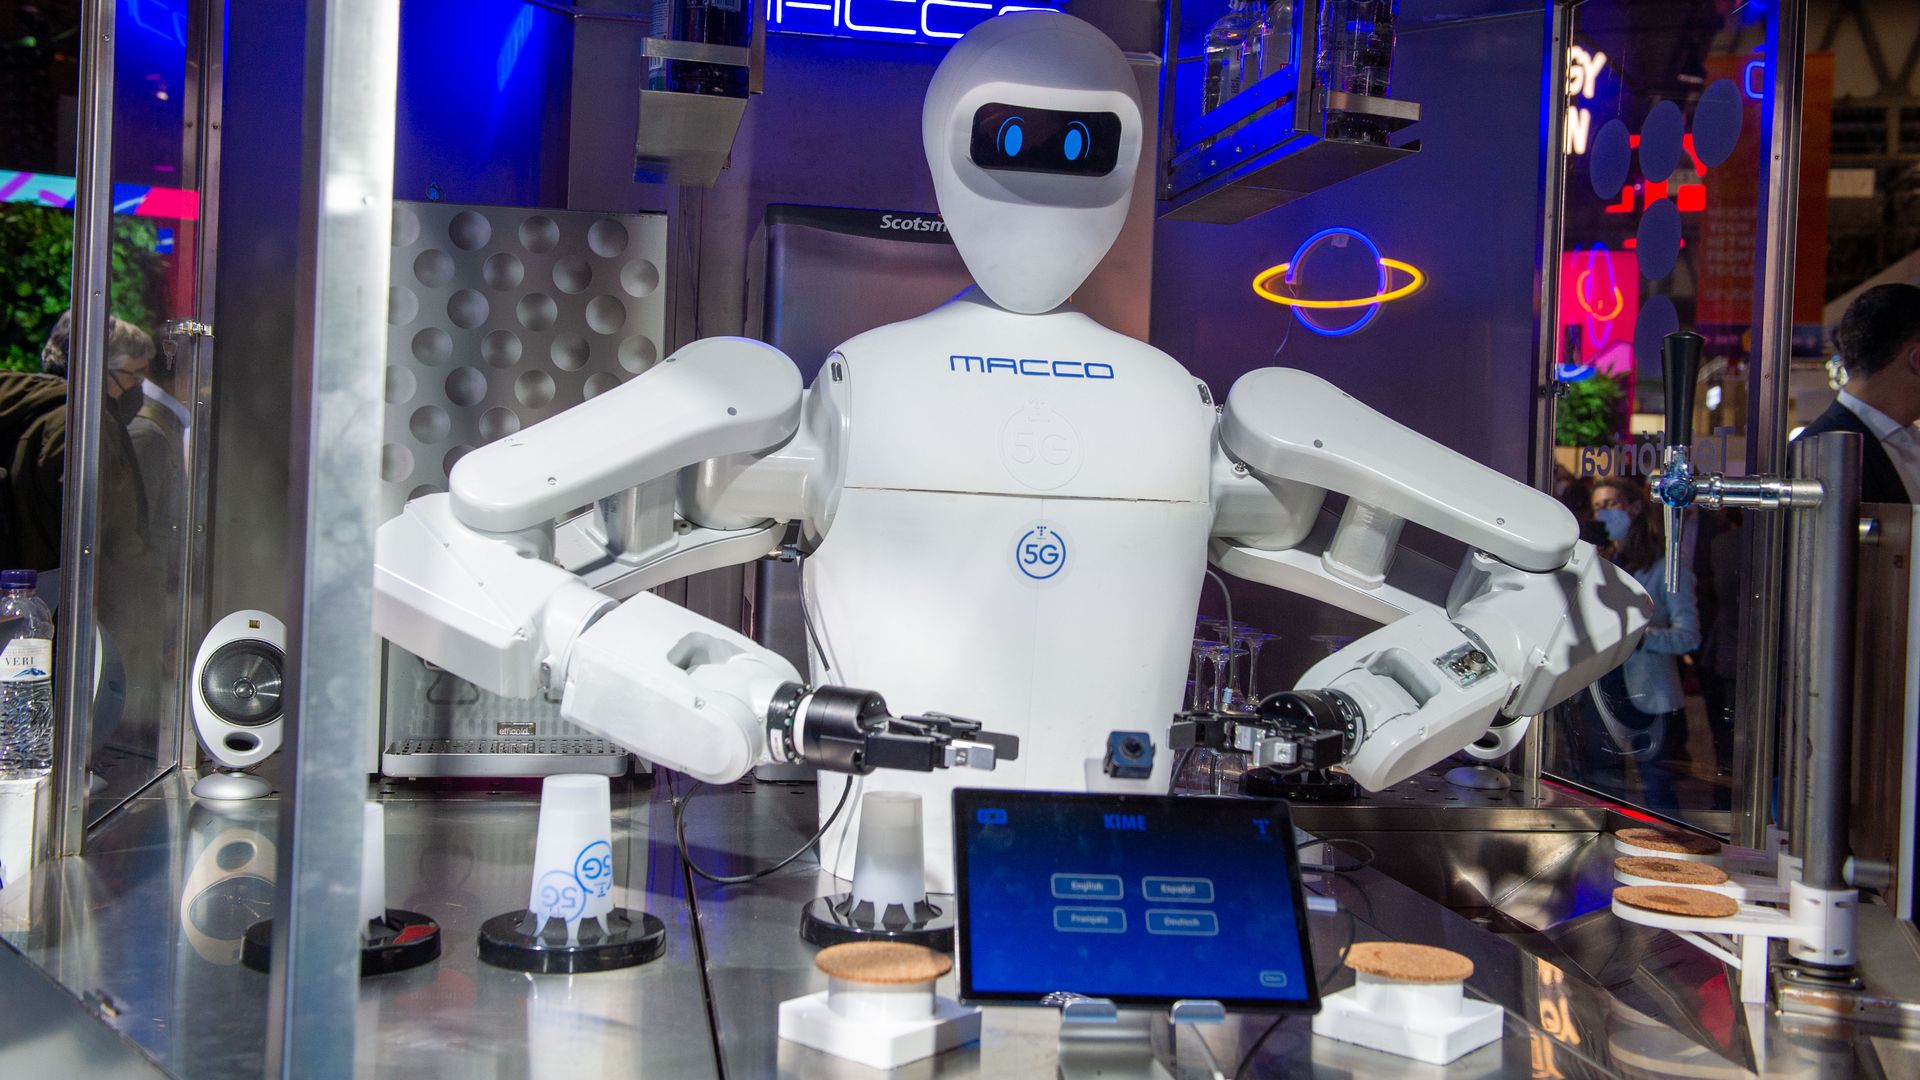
1532 616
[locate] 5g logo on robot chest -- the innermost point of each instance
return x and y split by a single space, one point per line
1040 554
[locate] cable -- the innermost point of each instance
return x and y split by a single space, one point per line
1366 860
680 841
1233 634
1246 1059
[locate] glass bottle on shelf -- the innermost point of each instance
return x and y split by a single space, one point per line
1226 52
1274 46
1356 57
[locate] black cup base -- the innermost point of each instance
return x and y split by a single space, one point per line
400 942
836 920
627 938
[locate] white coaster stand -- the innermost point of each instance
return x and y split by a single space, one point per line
1431 1022
1818 925
885 1026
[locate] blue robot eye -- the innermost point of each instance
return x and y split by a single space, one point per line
1012 136
1076 143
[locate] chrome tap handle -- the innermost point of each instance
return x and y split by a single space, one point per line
1680 370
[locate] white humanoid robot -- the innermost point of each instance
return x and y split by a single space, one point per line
1008 511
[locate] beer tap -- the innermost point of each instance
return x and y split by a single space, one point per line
1679 487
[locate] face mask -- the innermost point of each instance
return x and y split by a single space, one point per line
126 407
1616 521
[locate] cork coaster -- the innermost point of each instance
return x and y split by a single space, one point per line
883 963
1673 900
1403 962
1674 870
1658 840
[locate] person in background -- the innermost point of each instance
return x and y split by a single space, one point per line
1639 705
1879 342
140 408
33 447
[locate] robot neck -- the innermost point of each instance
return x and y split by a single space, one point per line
976 296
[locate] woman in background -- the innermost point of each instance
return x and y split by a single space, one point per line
1637 710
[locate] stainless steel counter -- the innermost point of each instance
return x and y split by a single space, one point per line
143 933
1597 997
148 923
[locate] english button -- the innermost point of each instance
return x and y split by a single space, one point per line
1087 887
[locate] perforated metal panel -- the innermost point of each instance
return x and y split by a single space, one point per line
499 318
502 317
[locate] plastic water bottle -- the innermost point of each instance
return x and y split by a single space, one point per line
1356 57
1275 44
1226 49
26 677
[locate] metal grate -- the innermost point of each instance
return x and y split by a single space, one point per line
571 747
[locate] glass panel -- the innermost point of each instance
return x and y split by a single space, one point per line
1667 106
145 422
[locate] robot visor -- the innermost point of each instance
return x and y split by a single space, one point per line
1020 139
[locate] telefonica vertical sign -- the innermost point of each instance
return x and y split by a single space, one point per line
1583 80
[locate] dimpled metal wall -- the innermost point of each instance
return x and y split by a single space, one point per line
501 317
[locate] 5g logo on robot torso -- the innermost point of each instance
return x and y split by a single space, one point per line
1040 554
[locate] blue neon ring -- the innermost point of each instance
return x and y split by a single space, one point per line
1371 310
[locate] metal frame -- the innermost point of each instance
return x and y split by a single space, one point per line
92 249
1553 186
1767 379
203 173
1826 541
352 73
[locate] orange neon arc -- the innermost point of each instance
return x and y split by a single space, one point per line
1416 280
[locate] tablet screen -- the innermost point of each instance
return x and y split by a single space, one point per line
1141 899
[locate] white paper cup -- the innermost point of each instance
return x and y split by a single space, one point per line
373 865
888 860
573 851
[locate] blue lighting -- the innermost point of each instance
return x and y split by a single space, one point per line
1373 252
1012 136
1753 79
516 39
163 20
1076 142
927 22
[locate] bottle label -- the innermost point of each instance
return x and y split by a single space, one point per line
27 659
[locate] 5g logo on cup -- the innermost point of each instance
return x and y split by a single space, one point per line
1040 553
594 868
560 896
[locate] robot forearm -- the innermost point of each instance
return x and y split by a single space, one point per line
647 674
697 697
1509 642
1532 615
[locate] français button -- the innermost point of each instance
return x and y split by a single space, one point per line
1183 923
1089 920
1087 887
1177 890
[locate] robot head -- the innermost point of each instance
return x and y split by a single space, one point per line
1032 129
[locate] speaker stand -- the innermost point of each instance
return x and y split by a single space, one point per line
231 786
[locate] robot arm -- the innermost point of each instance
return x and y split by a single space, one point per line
1531 616
484 582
